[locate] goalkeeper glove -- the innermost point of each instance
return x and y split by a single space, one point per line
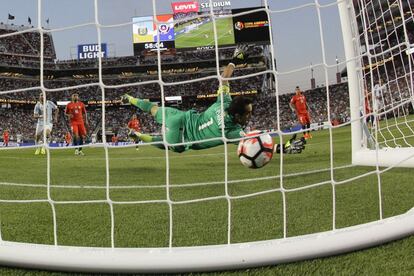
241 54
292 146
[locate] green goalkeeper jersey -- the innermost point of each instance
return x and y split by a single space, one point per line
208 124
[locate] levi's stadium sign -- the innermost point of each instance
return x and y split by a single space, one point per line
216 5
185 7
194 6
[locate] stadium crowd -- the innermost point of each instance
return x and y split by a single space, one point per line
22 50
26 55
17 115
18 118
25 44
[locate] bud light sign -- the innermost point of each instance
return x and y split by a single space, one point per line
91 51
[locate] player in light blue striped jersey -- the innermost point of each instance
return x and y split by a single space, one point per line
42 124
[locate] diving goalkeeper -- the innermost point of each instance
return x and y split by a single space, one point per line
191 126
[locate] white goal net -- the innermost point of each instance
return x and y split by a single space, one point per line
386 45
130 206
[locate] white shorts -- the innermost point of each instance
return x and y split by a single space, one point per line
40 127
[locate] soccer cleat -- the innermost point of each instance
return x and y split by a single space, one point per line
76 152
43 151
37 152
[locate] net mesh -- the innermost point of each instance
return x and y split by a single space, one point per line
386 42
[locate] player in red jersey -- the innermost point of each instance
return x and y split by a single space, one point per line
300 107
134 126
114 139
6 138
368 109
76 112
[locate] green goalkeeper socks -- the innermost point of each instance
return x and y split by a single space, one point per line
148 138
145 138
141 104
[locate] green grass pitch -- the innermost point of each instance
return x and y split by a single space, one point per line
204 34
140 175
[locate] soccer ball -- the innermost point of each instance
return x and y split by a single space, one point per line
257 151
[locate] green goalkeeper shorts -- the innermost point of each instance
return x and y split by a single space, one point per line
174 126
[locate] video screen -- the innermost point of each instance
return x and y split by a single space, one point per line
199 32
252 27
188 28
145 32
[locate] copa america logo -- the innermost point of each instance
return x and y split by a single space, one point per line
164 29
239 26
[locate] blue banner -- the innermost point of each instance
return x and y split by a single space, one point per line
91 51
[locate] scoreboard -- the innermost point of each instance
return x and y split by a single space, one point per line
252 27
190 27
148 36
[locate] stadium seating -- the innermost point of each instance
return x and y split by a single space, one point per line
22 51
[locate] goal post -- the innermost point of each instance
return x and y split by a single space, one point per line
346 10
369 146
207 258
230 256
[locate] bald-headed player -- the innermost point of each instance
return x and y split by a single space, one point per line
190 126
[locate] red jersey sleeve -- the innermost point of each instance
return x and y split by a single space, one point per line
130 124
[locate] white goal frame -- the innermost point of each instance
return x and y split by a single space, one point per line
361 154
239 255
206 258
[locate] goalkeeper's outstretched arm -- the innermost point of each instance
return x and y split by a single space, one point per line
224 89
227 73
240 56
